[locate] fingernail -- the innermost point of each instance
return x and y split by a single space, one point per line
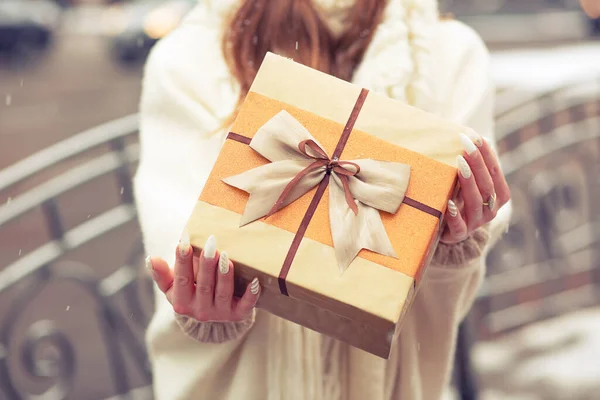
223 263
254 286
468 144
148 262
463 167
184 245
210 248
475 137
492 202
452 209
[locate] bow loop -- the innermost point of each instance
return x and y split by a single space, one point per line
278 138
312 145
346 168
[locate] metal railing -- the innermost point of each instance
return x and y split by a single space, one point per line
31 272
548 262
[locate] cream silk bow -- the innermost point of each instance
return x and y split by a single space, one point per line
299 163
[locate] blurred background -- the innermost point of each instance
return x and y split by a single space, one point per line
74 300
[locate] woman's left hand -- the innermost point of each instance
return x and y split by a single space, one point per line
483 191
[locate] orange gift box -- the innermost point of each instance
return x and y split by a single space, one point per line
292 251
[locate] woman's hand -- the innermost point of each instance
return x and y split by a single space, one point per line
202 287
483 191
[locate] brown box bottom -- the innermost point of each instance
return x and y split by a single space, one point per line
353 332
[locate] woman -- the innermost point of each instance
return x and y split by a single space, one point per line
206 345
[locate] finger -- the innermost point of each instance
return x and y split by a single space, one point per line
493 165
224 289
162 275
480 173
248 301
183 285
470 193
205 280
456 225
196 263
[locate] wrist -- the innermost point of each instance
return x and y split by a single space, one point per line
462 252
214 331
454 241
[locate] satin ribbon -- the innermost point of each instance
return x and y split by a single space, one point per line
336 166
361 187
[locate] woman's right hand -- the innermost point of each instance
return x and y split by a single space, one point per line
202 287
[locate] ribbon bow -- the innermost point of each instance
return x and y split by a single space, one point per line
299 163
332 166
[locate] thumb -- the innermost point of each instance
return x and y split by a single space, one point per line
162 275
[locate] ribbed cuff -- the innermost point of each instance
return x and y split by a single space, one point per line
462 253
214 332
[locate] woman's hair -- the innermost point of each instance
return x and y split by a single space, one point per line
294 28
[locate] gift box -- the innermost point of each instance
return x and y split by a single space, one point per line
333 196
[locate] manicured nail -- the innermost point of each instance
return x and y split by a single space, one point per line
223 263
149 265
254 286
475 137
184 245
468 144
463 167
452 209
492 202
210 248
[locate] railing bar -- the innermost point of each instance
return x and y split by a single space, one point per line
522 313
534 274
116 281
131 291
529 151
9 322
74 145
508 129
551 93
133 345
53 219
29 263
91 229
506 126
87 231
123 175
63 183
525 98
141 393
110 330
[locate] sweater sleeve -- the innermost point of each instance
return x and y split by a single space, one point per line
214 331
453 255
185 98
450 284
468 99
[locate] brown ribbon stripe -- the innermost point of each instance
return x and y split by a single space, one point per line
239 138
321 191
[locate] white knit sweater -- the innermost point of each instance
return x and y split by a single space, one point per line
187 93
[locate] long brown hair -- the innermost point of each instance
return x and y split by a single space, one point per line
294 28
